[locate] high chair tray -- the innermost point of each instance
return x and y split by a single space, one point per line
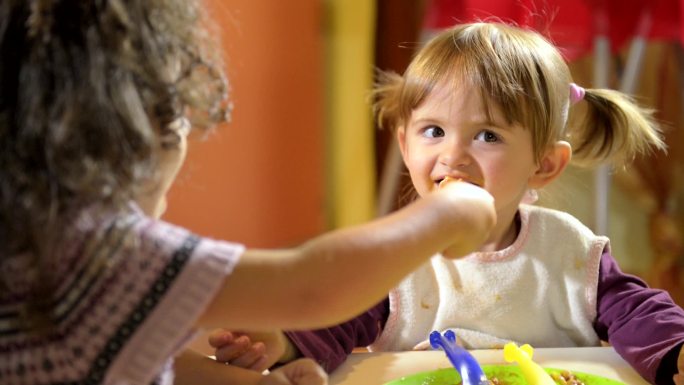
381 368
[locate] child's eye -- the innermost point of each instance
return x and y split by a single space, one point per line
487 136
433 132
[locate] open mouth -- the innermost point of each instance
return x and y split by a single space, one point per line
438 182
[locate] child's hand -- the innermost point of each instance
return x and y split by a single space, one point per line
475 207
304 371
255 351
679 378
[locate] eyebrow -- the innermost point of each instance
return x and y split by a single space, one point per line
484 121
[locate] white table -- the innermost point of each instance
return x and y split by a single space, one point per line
378 368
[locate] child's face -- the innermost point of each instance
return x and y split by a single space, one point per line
448 134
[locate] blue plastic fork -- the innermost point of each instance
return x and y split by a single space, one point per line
464 362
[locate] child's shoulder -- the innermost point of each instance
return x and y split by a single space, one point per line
554 219
128 228
132 233
560 231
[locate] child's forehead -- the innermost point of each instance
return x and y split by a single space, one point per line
448 97
451 76
453 90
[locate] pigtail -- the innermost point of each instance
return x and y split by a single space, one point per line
386 100
614 130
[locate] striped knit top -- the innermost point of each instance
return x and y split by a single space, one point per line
127 292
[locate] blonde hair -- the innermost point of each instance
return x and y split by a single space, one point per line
526 76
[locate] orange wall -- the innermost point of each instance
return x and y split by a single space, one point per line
259 180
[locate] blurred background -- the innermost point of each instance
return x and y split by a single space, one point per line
302 155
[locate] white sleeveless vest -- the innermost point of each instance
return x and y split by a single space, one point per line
540 290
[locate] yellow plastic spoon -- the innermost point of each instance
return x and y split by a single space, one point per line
533 373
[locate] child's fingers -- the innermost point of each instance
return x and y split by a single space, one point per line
249 358
219 337
261 364
230 352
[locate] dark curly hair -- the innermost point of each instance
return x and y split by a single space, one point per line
87 89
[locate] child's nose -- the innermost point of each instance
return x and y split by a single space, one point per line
456 155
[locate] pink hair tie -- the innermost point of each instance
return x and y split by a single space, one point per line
576 93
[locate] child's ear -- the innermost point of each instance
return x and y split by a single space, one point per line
551 165
401 139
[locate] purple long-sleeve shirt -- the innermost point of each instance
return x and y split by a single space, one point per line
643 324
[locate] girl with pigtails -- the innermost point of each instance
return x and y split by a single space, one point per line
494 105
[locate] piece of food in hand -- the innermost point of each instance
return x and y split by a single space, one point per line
448 179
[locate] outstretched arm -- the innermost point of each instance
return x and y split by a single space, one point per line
319 283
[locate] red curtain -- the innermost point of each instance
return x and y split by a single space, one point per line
571 24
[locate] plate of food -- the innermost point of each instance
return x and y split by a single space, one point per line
467 370
502 375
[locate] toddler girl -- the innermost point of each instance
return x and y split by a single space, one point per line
490 104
